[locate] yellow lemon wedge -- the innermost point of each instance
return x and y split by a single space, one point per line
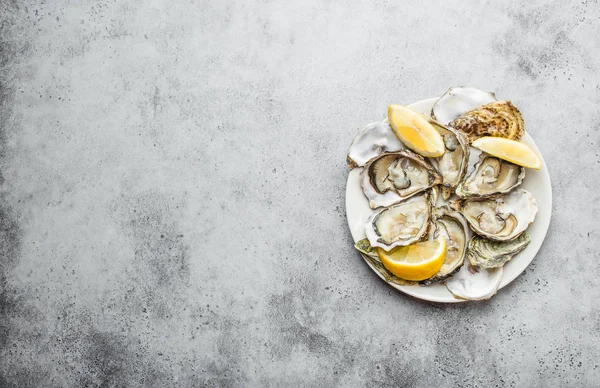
510 150
418 261
415 131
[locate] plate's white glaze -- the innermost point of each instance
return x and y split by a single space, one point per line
536 182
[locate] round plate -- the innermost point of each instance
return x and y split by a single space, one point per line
537 182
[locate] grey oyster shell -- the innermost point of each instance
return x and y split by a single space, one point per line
371 141
394 177
502 217
471 283
484 253
453 227
490 176
401 224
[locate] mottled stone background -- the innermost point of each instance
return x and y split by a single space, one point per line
172 193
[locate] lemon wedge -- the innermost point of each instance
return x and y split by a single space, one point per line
415 131
510 150
418 261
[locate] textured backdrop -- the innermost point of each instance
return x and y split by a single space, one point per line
172 193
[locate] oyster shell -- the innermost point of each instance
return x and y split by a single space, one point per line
491 175
453 227
401 224
370 255
452 165
364 247
484 253
498 118
473 284
502 217
372 140
393 177
458 100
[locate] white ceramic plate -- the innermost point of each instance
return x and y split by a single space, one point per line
537 182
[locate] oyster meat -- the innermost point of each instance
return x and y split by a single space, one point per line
393 177
452 226
452 165
484 253
372 140
502 217
458 100
498 118
475 284
401 224
490 176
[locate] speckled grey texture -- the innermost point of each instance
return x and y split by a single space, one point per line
172 193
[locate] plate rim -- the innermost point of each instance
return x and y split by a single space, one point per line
410 290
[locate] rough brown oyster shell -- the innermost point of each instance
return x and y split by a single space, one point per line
498 118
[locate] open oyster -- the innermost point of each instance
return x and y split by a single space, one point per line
453 227
393 177
498 118
452 165
490 176
401 224
372 140
475 284
502 217
484 253
458 100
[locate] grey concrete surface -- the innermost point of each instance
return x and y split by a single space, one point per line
172 193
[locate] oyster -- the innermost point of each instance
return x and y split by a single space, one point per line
452 165
490 176
473 284
501 217
370 255
498 118
364 247
393 177
453 227
458 100
372 140
401 224
484 253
